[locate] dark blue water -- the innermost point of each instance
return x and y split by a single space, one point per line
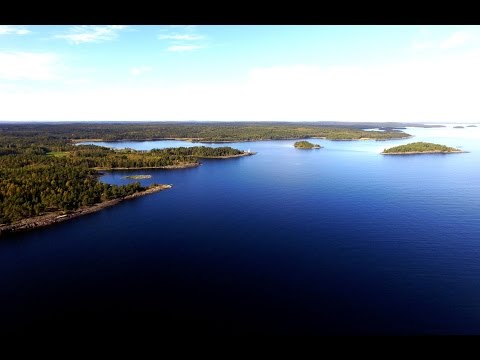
340 240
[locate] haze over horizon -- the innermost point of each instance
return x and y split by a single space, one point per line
425 74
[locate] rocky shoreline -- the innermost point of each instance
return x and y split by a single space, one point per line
59 216
424 152
245 153
182 166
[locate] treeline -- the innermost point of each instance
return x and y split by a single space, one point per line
420 147
199 151
99 157
52 185
40 175
60 133
306 145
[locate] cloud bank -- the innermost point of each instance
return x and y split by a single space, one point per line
91 34
444 90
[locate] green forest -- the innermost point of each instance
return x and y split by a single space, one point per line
42 170
41 173
306 145
102 158
217 132
419 147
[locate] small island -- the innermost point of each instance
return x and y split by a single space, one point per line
137 177
458 127
471 125
421 148
306 145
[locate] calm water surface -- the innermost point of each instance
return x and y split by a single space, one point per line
339 240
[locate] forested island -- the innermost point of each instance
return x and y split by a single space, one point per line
420 148
471 125
306 145
458 127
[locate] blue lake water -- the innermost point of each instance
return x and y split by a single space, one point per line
340 240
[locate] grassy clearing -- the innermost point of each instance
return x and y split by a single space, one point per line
57 153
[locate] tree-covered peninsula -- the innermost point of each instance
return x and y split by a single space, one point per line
420 148
101 158
41 175
306 145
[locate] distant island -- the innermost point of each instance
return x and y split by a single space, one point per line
471 125
421 148
138 177
458 127
306 145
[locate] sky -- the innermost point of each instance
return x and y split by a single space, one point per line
240 73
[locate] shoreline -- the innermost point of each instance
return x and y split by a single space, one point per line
199 140
180 166
301 138
424 152
364 139
226 156
59 216
75 141
183 166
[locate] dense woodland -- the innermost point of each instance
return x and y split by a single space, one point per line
41 169
103 158
420 147
306 145
195 131
40 172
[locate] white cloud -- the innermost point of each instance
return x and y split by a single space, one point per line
183 47
186 37
444 89
178 41
91 33
440 90
456 39
140 70
16 30
28 66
